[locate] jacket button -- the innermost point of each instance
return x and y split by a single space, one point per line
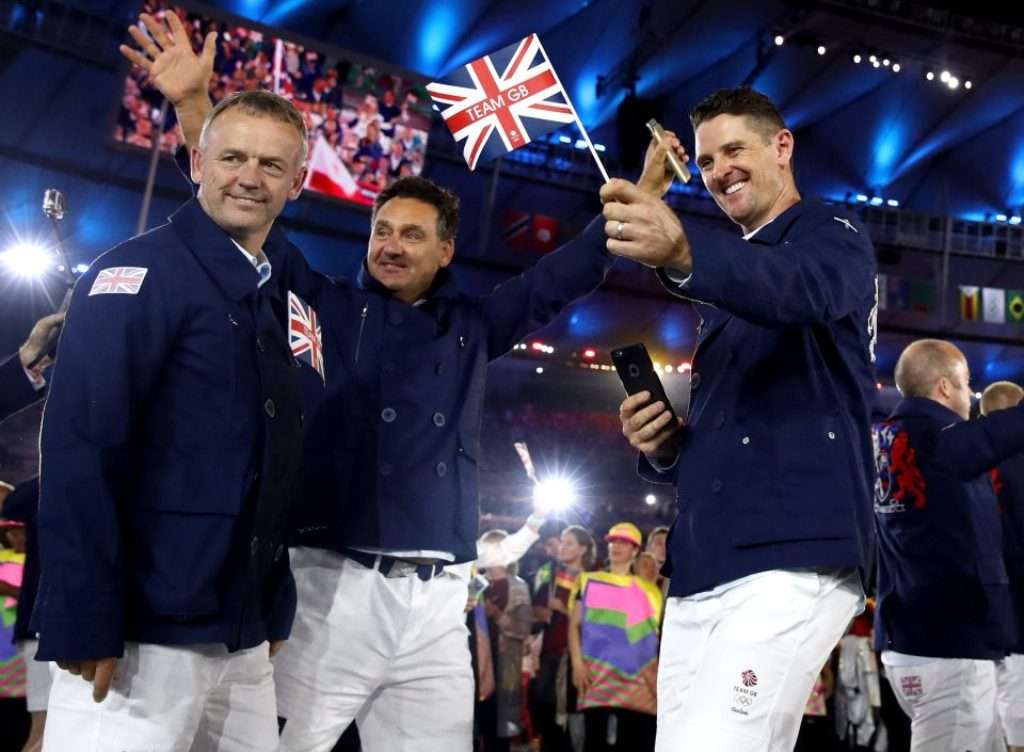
302 418
720 419
745 440
694 381
388 367
386 469
396 318
439 420
442 469
254 545
259 344
269 408
716 486
233 320
831 435
388 415
279 552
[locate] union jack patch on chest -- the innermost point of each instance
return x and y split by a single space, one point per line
119 280
304 335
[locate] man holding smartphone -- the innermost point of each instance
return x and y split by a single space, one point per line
773 467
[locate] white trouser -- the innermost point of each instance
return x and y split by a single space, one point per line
1010 698
390 653
198 698
37 676
951 703
738 663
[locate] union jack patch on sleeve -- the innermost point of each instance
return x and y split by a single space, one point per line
304 333
119 280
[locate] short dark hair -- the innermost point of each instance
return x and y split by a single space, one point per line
759 109
421 189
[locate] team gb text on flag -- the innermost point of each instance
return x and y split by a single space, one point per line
503 100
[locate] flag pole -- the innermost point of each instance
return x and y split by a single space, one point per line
579 123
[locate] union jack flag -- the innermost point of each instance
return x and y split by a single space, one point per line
119 280
304 333
496 102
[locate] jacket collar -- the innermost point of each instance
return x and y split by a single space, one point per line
775 230
219 256
922 407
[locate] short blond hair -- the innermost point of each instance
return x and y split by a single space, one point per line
260 103
1000 396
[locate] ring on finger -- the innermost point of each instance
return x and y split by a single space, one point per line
618 230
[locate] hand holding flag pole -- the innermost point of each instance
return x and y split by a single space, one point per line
501 101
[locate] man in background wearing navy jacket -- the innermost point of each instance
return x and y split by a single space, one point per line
1008 481
944 614
773 466
170 451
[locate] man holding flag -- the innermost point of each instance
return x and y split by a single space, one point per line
389 530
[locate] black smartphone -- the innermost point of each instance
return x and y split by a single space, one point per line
636 371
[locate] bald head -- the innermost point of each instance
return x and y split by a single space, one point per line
936 370
1000 396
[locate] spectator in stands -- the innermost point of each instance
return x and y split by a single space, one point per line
657 546
816 730
647 567
14 720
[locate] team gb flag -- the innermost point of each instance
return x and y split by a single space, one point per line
503 100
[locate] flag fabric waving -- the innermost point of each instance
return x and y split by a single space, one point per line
304 333
502 101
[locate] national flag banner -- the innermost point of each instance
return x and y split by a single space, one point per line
528 231
881 292
304 333
327 173
119 280
922 296
993 305
1015 306
970 302
515 228
502 101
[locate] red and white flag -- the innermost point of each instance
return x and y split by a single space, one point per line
501 101
304 333
326 173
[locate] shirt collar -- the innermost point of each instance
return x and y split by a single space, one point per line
263 268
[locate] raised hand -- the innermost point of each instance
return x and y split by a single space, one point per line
167 56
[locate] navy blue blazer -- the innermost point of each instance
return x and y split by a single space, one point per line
392 445
170 449
942 585
775 466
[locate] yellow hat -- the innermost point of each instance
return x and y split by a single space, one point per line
625 531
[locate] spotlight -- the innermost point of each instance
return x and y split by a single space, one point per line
650 500
944 76
589 354
684 367
857 58
554 494
540 369
1001 218
862 198
565 139
930 76
872 59
953 82
81 268
893 203
1015 219
821 49
886 62
977 395
876 64
779 40
27 260
895 67
668 369
968 84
